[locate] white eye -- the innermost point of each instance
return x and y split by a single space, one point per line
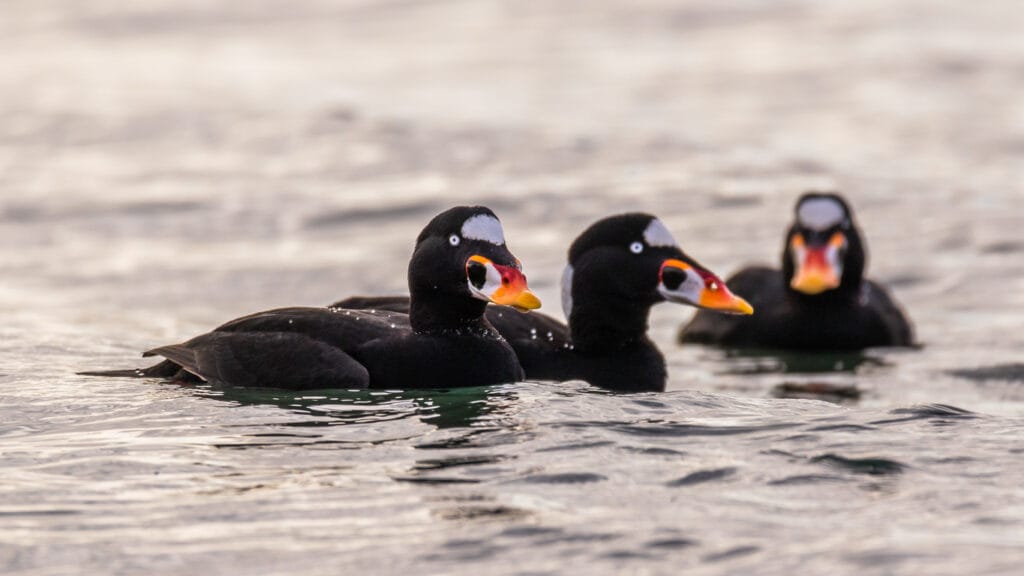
636 247
454 239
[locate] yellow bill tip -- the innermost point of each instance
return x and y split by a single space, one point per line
812 283
526 301
743 307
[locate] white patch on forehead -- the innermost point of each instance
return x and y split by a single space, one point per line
484 227
820 213
657 235
567 290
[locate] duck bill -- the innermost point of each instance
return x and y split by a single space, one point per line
722 299
686 284
503 285
816 273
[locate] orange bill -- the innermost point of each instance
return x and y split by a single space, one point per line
687 284
504 285
818 269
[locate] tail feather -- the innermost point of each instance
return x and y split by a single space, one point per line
165 369
176 353
130 373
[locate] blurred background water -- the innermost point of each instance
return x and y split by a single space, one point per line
166 166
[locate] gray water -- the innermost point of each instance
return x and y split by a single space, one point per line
166 166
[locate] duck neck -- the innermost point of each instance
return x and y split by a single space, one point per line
434 313
608 326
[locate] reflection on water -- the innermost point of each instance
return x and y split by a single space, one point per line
839 393
765 361
1000 372
827 376
460 407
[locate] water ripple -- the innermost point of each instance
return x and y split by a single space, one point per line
872 466
702 476
927 412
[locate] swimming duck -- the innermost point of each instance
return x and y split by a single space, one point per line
618 269
820 300
459 264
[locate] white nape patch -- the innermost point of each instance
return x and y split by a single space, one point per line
657 235
820 213
567 291
485 228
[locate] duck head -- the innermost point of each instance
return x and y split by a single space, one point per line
460 263
824 253
632 261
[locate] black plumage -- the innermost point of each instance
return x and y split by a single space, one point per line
798 313
442 341
618 268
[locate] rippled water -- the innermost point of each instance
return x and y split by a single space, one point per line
164 168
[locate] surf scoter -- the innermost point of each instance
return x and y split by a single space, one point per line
618 268
460 263
820 299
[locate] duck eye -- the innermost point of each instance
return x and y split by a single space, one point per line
636 247
454 240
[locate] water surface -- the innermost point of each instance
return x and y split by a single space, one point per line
164 168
